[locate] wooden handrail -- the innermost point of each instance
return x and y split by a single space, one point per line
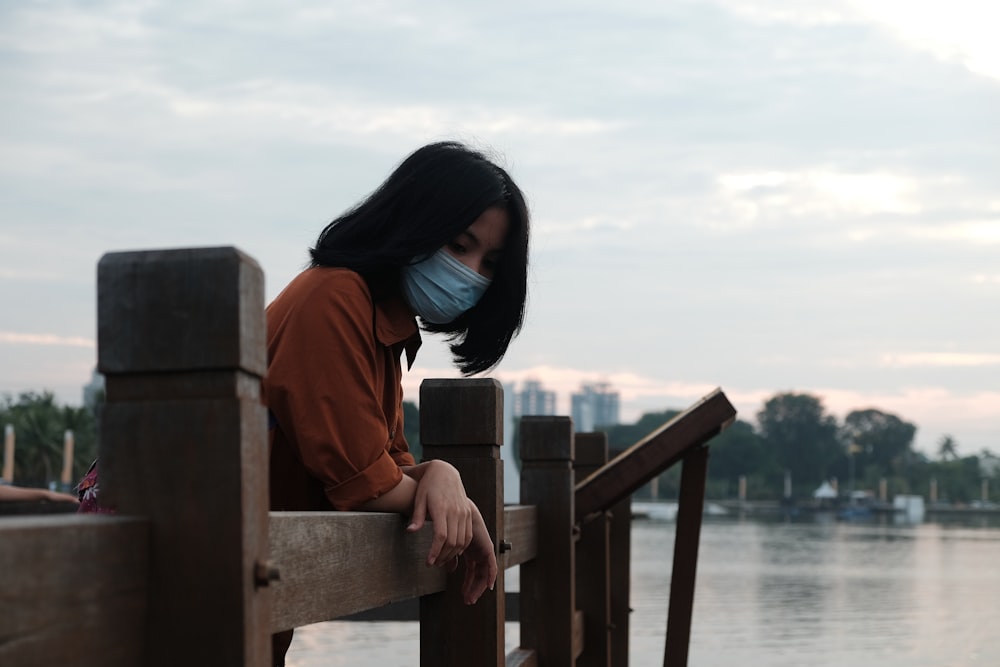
373 559
74 590
377 561
520 534
646 459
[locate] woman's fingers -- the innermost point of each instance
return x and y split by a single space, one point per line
453 563
479 575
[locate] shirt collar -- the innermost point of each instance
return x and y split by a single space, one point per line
395 323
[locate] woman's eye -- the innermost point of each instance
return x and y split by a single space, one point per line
456 247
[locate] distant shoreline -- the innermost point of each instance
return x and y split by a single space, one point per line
778 507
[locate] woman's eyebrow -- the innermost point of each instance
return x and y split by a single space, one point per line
471 235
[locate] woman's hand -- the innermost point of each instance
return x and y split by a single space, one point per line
440 497
480 561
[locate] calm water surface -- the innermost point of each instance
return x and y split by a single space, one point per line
815 592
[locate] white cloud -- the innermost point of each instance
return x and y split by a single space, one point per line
340 112
961 31
804 13
940 360
32 274
13 338
63 29
820 192
976 231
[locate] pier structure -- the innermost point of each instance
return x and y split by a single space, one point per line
194 568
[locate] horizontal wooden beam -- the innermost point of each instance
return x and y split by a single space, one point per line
646 459
521 533
332 564
409 610
73 590
366 544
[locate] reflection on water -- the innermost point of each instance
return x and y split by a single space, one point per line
814 592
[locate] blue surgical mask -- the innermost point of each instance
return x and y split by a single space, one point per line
440 288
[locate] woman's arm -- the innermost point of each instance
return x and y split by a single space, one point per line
398 499
433 490
23 493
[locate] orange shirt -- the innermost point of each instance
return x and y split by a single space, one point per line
333 391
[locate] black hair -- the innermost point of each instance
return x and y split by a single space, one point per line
428 200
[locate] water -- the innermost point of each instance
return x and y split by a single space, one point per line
814 592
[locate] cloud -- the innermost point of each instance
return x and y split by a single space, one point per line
820 192
12 338
28 275
975 231
969 417
957 31
939 360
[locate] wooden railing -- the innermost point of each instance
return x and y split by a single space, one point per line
194 569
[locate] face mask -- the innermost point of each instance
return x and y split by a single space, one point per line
440 288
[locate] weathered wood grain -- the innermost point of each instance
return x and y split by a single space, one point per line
73 590
690 511
548 598
184 444
593 560
461 422
180 309
521 532
333 564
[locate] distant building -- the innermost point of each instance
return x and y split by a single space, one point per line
532 399
595 405
93 393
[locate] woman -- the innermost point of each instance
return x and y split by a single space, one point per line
445 239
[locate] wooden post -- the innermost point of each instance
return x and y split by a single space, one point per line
690 507
461 421
621 579
184 443
67 469
8 453
548 600
593 560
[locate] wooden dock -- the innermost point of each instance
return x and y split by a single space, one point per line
194 569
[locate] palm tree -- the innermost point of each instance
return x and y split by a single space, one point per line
947 448
39 425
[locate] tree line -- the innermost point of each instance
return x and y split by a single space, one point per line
795 438
39 425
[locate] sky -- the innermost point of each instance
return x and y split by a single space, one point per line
756 195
